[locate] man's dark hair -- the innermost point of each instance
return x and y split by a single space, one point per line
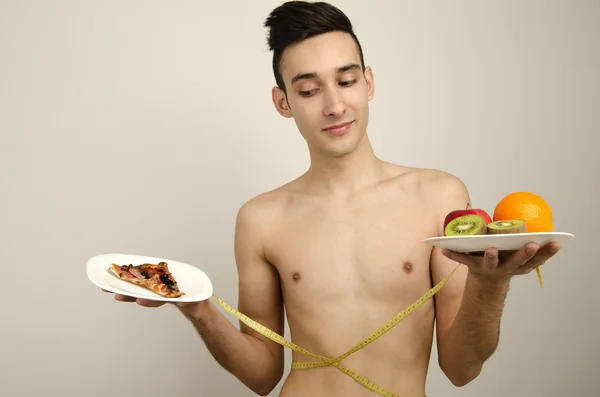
294 21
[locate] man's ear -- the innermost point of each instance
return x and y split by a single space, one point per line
280 102
370 82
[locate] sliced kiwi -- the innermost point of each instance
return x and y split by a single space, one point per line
466 225
507 226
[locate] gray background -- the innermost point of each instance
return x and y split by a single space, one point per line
142 126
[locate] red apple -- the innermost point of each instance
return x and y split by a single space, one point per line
475 211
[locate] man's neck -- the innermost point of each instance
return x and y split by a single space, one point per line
345 175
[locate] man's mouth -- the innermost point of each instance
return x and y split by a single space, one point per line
338 129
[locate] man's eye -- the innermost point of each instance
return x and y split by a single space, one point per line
347 83
307 93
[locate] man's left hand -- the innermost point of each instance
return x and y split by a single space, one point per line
495 266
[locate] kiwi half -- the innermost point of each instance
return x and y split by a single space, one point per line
507 226
466 225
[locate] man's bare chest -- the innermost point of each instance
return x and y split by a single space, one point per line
362 253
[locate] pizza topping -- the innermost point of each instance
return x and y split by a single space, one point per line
165 279
136 272
157 277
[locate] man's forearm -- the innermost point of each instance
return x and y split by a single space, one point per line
474 334
244 356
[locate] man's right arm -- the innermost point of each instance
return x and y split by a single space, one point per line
251 357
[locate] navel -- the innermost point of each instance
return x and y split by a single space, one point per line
296 276
408 267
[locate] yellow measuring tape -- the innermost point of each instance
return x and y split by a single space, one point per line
325 361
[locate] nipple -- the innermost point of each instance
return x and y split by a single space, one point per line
408 267
296 276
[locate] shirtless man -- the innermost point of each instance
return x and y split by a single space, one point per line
342 245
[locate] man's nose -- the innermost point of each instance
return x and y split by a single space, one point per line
334 103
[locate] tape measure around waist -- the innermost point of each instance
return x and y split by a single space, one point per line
334 362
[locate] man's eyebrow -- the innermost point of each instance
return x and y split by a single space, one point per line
312 75
348 67
303 76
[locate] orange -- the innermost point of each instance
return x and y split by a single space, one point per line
526 206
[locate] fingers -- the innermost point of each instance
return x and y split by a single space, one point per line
124 298
540 257
487 260
119 297
525 270
139 301
490 259
505 255
149 303
465 259
521 257
523 261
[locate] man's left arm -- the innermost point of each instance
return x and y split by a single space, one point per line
468 313
470 305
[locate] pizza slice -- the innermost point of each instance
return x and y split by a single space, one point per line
154 277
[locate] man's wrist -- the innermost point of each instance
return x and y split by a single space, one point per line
198 313
487 284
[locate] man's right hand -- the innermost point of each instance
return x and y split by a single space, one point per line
141 302
192 310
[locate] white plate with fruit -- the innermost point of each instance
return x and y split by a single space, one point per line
502 242
516 222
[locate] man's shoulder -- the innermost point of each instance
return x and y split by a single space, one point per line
439 192
429 180
439 179
265 206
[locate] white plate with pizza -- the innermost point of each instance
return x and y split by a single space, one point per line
150 278
502 242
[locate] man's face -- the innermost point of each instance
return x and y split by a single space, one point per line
326 88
